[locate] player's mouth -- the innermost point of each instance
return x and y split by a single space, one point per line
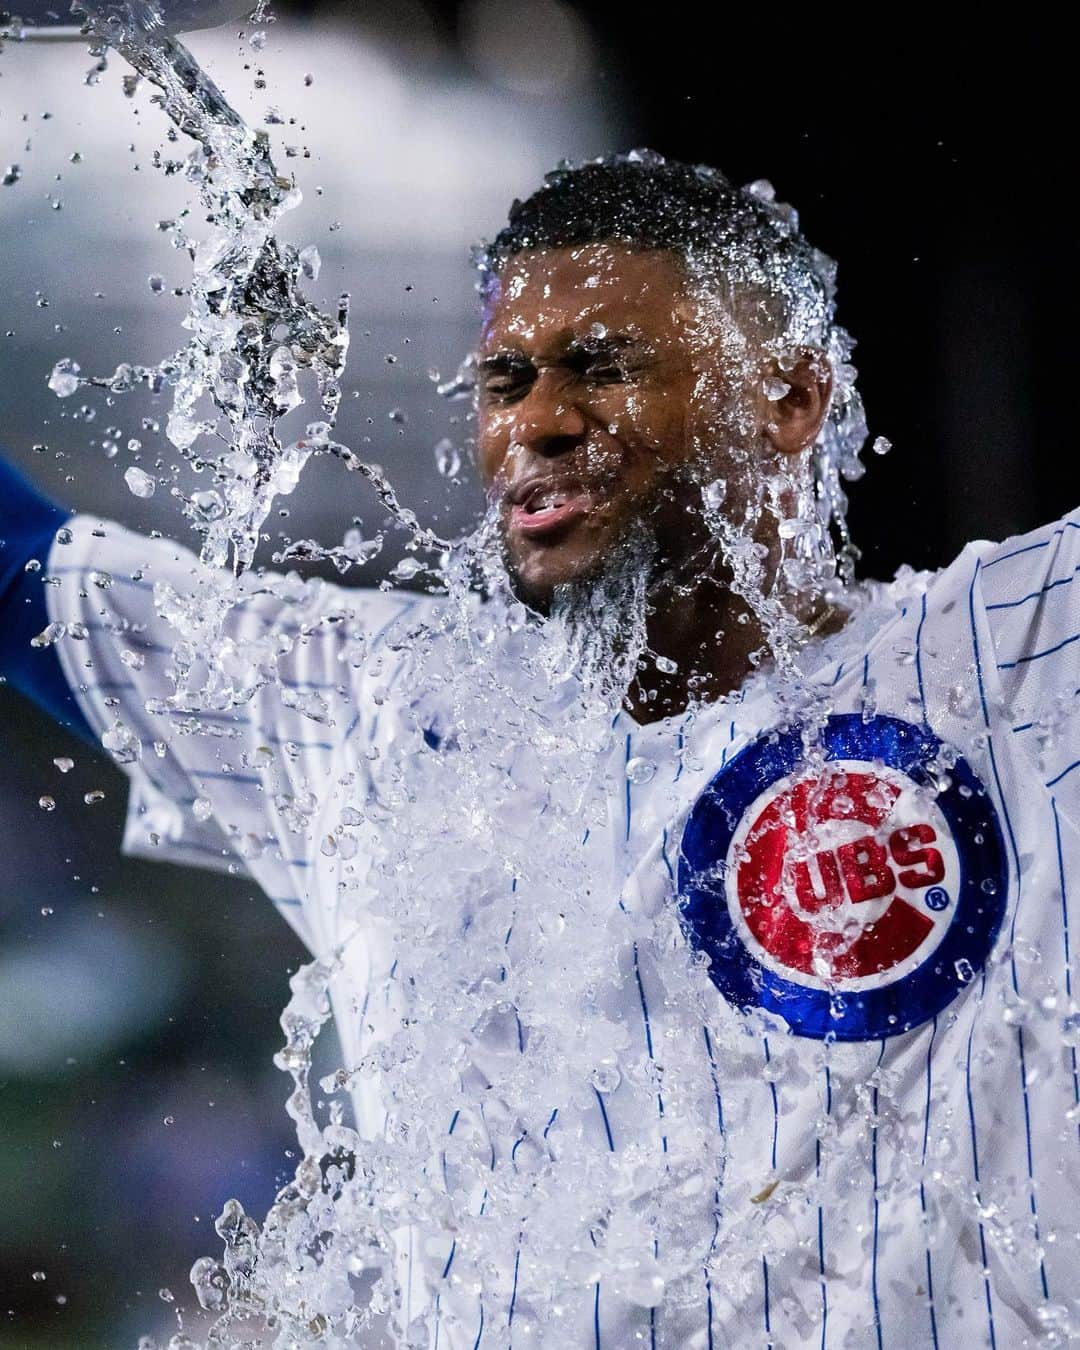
540 507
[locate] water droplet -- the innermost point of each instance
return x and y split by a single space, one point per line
64 379
965 972
640 770
64 764
121 743
38 1276
447 458
606 1077
47 803
310 262
95 795
139 482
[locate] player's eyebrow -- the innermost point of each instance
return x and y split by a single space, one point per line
507 359
571 349
612 344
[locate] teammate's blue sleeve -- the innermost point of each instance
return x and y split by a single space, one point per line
28 523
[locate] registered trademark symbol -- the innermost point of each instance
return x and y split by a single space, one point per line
936 898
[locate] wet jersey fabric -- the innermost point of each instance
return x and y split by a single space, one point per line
884 1067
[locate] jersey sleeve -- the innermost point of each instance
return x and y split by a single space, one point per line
236 790
1030 590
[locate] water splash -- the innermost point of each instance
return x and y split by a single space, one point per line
496 1067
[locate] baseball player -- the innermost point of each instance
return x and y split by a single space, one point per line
738 1010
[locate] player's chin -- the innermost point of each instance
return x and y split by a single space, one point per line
537 567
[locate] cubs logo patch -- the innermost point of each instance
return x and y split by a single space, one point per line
854 889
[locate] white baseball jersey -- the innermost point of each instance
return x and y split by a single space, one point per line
835 1099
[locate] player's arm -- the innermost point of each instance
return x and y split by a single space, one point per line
234 789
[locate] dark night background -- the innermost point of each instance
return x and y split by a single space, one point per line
934 166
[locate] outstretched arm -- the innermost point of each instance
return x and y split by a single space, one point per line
242 788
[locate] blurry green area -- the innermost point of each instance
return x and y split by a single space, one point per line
148 993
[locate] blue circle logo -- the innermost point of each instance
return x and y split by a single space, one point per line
852 883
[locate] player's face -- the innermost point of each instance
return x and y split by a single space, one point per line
594 385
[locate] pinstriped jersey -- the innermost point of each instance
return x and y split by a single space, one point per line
846 1110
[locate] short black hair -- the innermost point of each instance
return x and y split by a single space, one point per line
644 201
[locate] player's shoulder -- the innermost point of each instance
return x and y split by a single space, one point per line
1033 554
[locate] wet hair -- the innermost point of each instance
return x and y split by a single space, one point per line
737 242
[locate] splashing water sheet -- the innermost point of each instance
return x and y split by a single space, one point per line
666 1020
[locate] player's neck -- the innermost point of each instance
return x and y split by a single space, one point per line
711 635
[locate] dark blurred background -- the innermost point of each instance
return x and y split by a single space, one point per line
139 1004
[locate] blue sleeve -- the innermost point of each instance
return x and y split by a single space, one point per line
28 523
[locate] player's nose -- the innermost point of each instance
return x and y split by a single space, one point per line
546 420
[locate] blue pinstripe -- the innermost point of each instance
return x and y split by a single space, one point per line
877 1207
1034 595
821 1216
982 990
1012 930
922 1181
1031 548
918 656
1068 954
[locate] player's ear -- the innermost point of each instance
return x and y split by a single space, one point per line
803 380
